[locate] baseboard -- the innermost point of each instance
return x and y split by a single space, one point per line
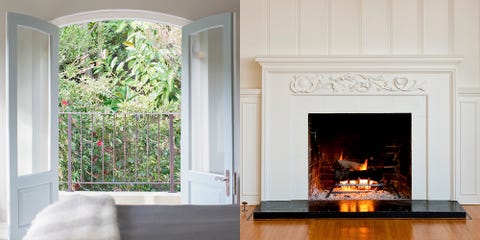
3 230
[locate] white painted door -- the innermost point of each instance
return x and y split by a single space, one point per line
32 122
207 111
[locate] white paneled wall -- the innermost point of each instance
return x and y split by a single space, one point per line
466 42
313 26
371 28
345 27
360 27
468 149
250 145
376 28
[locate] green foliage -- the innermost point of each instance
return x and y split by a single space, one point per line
120 67
126 66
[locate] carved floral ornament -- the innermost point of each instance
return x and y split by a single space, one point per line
353 83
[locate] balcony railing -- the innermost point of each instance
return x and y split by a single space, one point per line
119 152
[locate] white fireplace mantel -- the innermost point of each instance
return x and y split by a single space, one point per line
293 87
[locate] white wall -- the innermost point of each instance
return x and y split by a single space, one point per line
375 27
51 9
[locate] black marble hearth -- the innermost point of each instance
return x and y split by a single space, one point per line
360 209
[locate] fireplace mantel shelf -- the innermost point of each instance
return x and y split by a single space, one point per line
422 62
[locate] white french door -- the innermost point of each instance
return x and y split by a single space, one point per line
32 65
207 111
207 115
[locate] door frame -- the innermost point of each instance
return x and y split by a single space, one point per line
120 14
152 16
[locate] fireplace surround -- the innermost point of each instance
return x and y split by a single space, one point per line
294 87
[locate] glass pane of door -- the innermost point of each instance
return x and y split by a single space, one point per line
209 96
33 77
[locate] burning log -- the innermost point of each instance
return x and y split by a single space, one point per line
355 166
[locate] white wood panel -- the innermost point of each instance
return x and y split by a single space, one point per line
253 41
345 28
405 26
436 27
283 27
314 27
32 200
250 145
467 149
375 27
466 42
468 133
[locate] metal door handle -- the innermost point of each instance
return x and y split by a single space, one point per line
225 179
221 179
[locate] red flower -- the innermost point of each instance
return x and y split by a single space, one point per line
64 102
99 143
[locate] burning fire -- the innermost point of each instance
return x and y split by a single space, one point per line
364 166
354 185
352 165
358 184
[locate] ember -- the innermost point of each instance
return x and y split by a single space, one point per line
358 195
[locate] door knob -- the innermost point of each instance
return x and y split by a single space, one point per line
225 179
221 179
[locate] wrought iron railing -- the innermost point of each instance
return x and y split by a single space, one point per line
119 151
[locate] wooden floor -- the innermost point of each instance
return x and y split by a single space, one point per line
351 229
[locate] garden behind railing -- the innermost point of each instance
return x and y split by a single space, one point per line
119 151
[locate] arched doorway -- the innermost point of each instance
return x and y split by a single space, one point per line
130 153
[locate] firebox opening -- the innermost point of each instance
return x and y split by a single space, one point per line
360 156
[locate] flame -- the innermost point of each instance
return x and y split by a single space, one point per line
364 166
341 156
365 184
355 185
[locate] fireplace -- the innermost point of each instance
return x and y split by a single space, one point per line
359 156
296 89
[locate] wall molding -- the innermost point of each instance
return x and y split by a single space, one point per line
468 91
360 63
420 27
451 27
468 113
250 150
390 26
250 92
358 83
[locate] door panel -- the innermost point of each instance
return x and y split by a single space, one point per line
32 106
32 123
207 116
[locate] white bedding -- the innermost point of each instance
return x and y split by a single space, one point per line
78 217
